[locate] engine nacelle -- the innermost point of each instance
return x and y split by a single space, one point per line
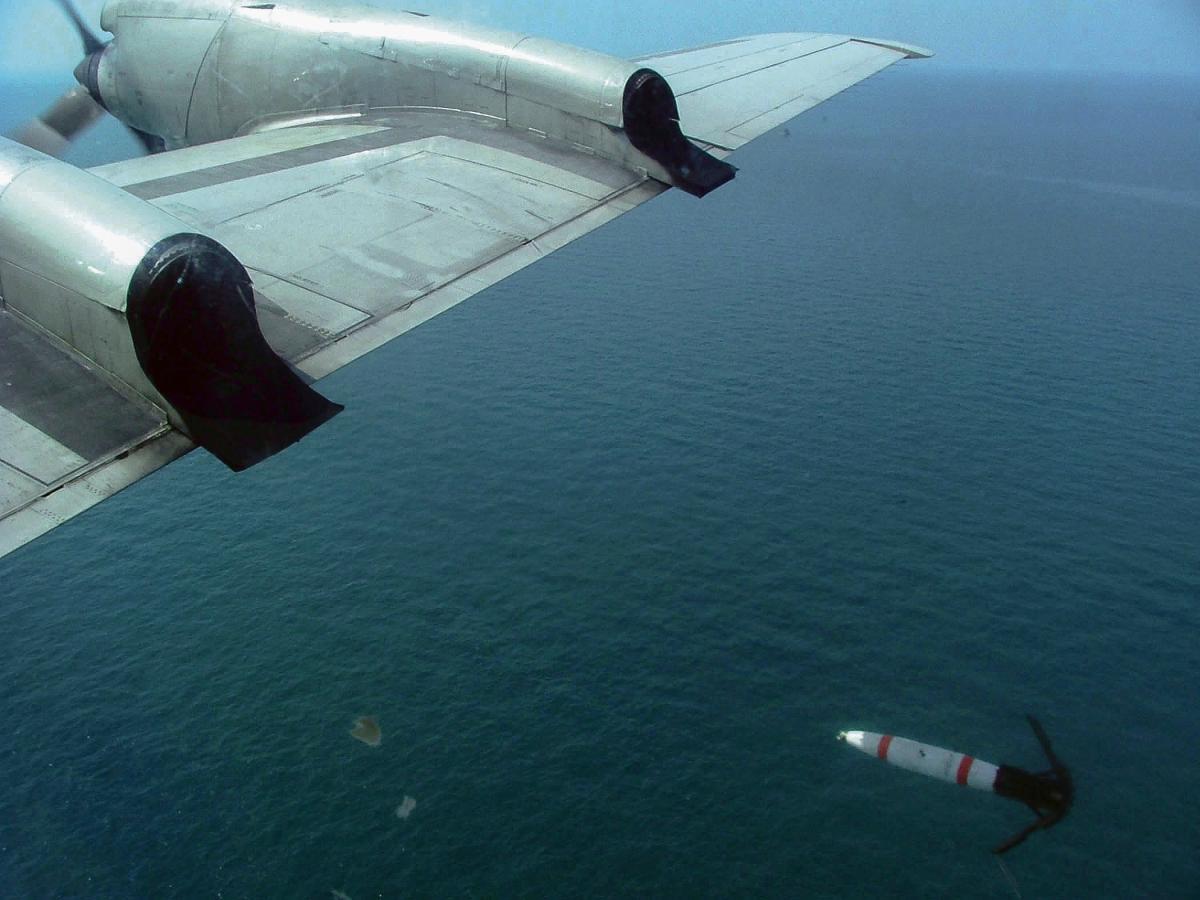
168 313
204 70
147 77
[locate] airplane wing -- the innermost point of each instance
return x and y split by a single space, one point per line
69 436
355 233
733 91
356 230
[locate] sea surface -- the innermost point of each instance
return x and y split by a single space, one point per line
898 431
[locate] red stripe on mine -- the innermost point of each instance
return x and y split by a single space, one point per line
884 743
964 769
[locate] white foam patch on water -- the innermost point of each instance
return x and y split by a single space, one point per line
1172 197
404 810
1190 199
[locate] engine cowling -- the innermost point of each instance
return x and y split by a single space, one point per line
204 70
148 76
166 312
589 98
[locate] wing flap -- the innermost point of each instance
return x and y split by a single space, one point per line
383 329
31 451
354 240
69 437
83 490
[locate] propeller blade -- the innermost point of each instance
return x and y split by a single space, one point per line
52 131
85 74
91 43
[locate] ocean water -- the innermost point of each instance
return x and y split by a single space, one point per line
897 431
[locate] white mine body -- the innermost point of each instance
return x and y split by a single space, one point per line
937 762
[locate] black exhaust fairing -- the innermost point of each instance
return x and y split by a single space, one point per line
651 121
191 313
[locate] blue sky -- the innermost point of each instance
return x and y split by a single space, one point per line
1154 36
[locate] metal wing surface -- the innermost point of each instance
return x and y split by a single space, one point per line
356 230
733 91
352 234
69 435
355 233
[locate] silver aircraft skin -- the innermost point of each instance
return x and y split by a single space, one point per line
333 176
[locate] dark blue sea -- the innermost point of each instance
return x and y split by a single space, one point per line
898 431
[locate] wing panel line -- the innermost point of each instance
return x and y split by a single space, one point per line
777 63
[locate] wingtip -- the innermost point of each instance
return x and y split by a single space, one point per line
910 51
